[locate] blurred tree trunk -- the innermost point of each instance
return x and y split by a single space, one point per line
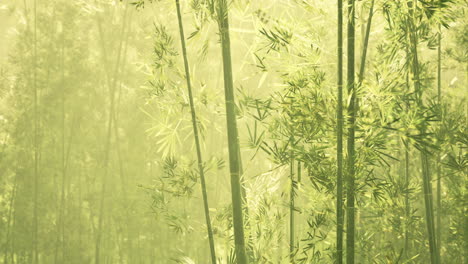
60 213
35 253
111 83
8 227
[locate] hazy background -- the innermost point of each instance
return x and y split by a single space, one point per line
96 142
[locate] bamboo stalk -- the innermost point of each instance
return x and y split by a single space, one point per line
407 205
60 222
291 211
80 211
35 254
10 212
196 136
428 198
299 171
350 210
233 138
118 148
339 140
439 180
365 45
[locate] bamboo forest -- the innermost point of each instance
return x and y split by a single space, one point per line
233 131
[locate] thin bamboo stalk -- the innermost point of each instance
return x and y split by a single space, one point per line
427 186
129 222
439 180
407 205
35 254
60 222
196 136
10 212
365 45
339 140
292 247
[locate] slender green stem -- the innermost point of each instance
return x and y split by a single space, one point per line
365 45
339 141
291 211
299 169
407 206
10 212
128 224
245 206
350 210
427 186
429 207
439 180
35 253
60 215
196 136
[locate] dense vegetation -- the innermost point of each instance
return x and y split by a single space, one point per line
233 131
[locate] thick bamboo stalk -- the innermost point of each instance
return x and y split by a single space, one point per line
233 138
350 225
